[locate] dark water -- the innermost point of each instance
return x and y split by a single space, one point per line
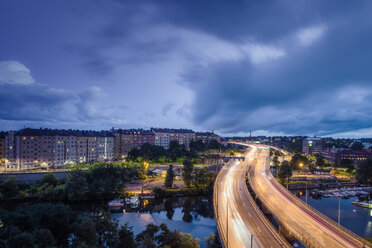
189 215
356 219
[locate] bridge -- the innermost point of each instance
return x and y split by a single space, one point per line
240 222
238 217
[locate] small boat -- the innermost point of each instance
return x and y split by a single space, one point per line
363 204
116 204
134 202
147 196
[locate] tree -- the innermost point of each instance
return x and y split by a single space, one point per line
84 230
143 170
212 241
285 171
126 237
203 177
276 161
169 177
106 229
363 171
146 239
188 168
311 167
320 161
297 160
9 188
357 146
49 179
76 186
347 163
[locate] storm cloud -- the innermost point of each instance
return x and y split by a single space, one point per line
267 66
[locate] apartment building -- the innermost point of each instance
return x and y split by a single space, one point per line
312 146
2 148
206 137
127 139
35 148
163 136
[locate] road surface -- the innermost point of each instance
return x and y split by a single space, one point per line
309 226
240 222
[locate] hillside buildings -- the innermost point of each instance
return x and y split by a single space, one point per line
44 148
313 146
163 136
206 137
127 139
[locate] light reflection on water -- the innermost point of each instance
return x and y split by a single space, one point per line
189 215
356 219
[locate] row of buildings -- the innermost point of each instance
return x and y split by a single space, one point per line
128 139
43 148
312 146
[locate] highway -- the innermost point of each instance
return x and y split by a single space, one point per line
309 226
240 222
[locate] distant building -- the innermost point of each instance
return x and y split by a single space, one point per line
163 136
206 137
2 148
127 139
355 156
312 146
321 172
35 148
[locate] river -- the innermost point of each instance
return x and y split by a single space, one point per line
194 215
356 219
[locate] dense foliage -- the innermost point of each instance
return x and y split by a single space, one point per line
285 171
100 181
169 177
363 171
56 225
176 152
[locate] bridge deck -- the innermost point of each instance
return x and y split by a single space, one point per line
238 217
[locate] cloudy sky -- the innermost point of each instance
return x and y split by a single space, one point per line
273 67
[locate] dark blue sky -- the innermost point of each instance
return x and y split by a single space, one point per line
273 67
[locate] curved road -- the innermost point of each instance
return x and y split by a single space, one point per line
240 222
308 225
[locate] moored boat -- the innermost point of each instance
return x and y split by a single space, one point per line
363 204
116 204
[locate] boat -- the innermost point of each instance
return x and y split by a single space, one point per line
363 204
147 196
116 204
134 202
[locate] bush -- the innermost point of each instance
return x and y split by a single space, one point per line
49 179
9 188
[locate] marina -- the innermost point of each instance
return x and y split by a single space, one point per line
343 192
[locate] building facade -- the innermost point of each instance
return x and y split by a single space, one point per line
355 156
163 136
2 149
206 137
44 148
312 146
128 139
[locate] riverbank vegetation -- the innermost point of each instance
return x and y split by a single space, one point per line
99 182
198 182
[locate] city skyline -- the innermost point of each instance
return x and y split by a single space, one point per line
273 68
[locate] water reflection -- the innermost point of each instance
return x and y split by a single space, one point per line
356 219
189 215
